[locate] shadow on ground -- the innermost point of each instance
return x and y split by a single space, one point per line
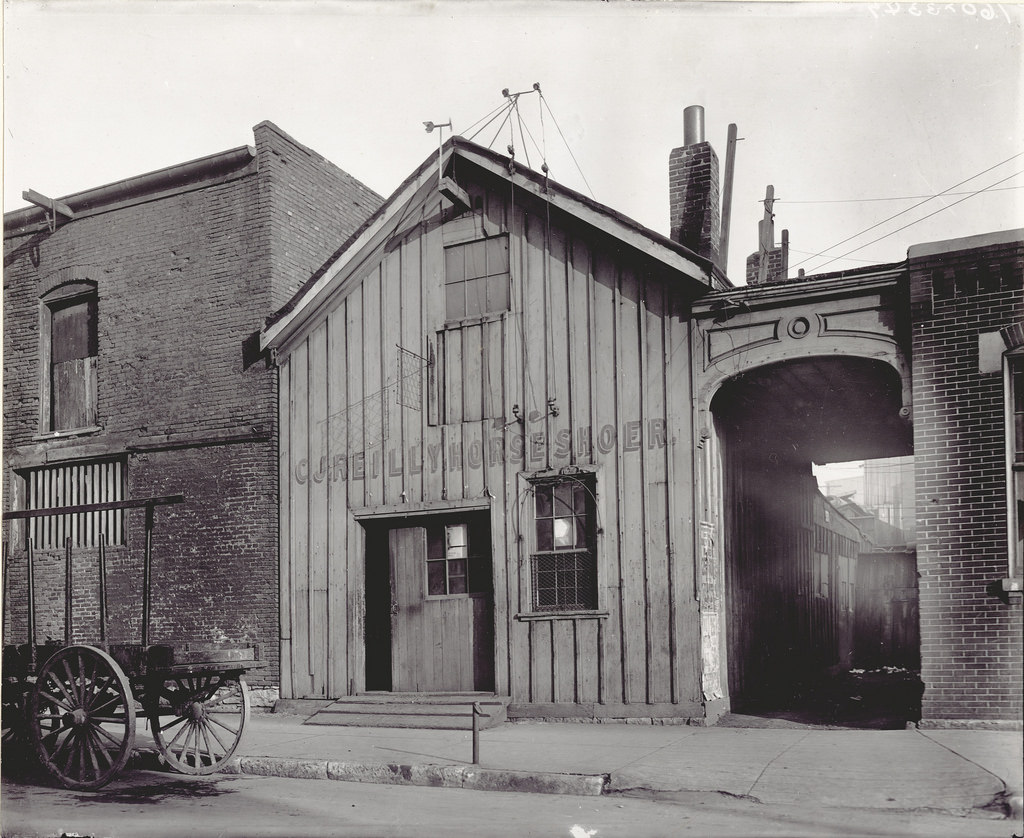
878 699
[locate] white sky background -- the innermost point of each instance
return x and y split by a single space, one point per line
834 101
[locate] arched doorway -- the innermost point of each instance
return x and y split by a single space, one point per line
788 562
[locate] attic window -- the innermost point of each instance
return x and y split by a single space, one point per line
476 278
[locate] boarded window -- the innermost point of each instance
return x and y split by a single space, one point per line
476 277
76 484
564 561
72 363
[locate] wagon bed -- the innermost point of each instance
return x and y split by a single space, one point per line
78 704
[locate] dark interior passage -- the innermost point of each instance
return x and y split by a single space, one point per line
790 560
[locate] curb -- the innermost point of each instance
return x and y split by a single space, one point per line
438 776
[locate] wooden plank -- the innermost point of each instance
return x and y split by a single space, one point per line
588 660
559 429
578 409
355 587
299 424
564 661
541 686
375 403
337 499
286 555
454 376
472 373
352 419
536 325
318 509
391 314
631 488
414 339
604 406
655 528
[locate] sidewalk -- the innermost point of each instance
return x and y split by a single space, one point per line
948 770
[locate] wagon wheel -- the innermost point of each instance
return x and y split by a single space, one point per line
82 717
209 713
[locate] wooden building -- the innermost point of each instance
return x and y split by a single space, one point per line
486 454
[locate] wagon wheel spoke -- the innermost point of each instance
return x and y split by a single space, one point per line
82 717
210 712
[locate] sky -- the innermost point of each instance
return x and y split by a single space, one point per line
844 108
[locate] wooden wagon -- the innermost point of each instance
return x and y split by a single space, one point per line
78 705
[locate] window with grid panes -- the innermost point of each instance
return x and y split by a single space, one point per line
476 277
564 561
448 556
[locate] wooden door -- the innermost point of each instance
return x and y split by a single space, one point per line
437 638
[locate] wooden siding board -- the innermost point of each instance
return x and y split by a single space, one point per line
319 469
375 402
604 413
631 546
658 585
541 661
355 591
353 416
565 662
535 325
559 431
302 685
337 538
391 311
587 639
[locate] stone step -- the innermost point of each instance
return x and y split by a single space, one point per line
429 711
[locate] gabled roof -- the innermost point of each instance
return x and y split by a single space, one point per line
384 223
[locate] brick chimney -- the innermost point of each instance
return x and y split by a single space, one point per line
694 212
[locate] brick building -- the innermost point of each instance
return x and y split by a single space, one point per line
967 313
130 371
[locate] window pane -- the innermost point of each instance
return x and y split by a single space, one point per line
497 292
581 532
457 542
476 259
497 255
453 265
476 297
455 304
457 585
542 495
544 534
435 578
563 498
579 499
564 533
435 543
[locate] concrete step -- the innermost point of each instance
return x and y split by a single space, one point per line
429 711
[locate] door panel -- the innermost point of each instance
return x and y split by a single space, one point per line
432 638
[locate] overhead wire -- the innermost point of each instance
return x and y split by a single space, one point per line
566 142
908 209
917 221
871 200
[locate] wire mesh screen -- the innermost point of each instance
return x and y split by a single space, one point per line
410 379
564 581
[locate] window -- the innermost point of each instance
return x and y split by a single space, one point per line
458 557
821 574
564 567
69 349
447 559
476 277
75 484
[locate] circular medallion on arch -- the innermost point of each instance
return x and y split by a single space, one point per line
799 327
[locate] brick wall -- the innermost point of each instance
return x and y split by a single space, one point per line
309 208
971 646
694 208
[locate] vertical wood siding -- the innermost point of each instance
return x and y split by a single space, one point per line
608 342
